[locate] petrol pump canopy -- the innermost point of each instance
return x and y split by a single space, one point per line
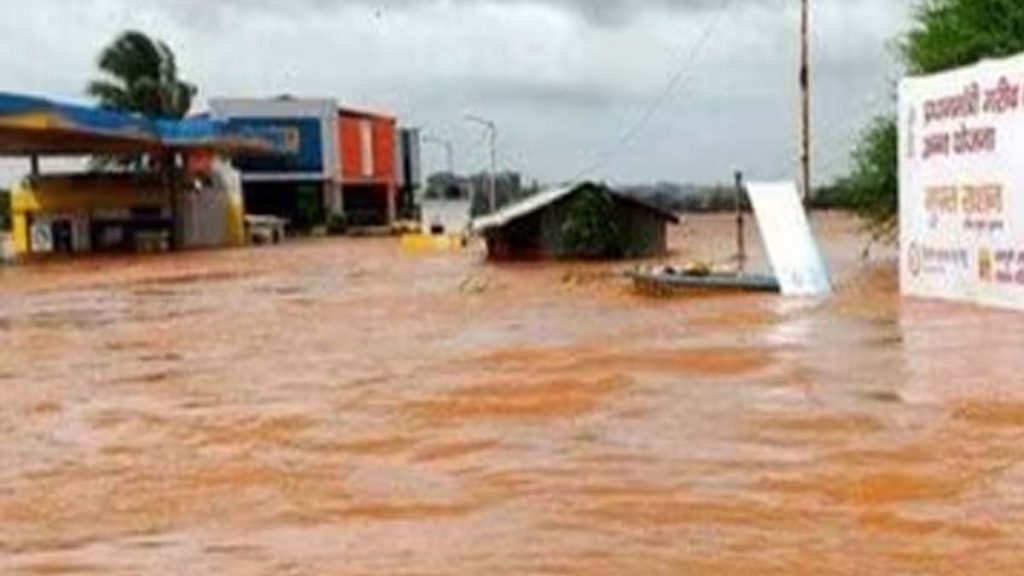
32 126
35 126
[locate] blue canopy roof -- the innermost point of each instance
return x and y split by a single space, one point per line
37 126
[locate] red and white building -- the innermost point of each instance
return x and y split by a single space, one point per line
341 161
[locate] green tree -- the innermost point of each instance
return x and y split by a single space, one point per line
872 189
946 34
140 74
590 229
954 33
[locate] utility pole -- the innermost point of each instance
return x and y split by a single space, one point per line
805 99
492 132
449 150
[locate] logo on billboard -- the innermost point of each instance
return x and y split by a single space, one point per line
986 265
292 139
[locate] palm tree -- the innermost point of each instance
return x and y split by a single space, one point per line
140 74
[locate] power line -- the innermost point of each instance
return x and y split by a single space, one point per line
677 77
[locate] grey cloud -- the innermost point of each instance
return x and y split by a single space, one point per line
600 12
564 78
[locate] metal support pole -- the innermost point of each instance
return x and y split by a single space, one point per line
494 169
741 236
172 186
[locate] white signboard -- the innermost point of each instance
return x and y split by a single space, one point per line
6 248
41 235
446 217
788 239
961 137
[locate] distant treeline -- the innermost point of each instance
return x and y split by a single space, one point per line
695 199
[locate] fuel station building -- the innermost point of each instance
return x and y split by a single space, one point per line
183 194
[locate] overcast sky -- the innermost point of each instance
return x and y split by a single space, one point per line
563 78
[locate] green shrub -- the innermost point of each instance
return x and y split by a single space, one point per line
308 209
872 188
591 230
337 224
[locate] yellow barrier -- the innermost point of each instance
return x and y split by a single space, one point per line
422 243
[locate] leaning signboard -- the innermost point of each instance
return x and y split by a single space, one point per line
788 239
961 148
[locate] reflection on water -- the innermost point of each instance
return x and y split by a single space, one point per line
339 407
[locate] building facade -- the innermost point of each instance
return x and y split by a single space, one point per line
338 161
369 174
409 172
98 213
301 184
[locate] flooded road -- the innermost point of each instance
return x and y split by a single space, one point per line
338 407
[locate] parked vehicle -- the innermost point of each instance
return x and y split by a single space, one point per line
265 230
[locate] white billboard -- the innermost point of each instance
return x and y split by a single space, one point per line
961 150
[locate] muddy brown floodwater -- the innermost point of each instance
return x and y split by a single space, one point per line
338 407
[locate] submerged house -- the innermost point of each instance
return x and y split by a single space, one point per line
581 221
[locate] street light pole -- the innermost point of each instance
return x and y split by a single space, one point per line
492 131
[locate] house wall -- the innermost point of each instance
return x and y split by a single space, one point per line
645 234
522 239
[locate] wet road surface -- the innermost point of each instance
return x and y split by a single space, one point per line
338 407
